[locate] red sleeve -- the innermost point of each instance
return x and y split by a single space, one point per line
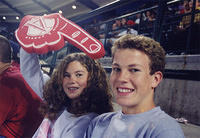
6 102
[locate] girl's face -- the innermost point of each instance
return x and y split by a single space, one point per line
75 79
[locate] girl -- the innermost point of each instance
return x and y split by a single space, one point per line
76 93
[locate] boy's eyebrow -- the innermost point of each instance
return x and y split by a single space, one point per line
131 65
134 65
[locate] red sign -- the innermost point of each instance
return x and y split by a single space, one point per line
41 34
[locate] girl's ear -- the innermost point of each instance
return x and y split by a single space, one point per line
157 78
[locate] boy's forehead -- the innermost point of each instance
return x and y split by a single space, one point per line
129 51
130 56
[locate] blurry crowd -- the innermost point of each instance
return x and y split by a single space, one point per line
178 17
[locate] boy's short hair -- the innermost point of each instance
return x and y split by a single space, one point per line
147 45
5 50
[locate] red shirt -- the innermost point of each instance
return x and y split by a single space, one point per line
19 116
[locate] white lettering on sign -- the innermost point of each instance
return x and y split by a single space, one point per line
84 40
75 34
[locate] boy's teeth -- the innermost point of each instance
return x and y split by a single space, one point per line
124 90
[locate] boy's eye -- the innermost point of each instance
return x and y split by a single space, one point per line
134 70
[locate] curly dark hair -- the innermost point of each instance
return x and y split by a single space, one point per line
145 44
95 97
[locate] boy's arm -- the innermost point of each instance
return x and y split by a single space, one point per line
6 104
171 134
89 130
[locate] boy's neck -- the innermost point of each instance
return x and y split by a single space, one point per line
135 110
4 66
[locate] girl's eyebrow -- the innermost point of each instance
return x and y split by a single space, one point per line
115 64
78 71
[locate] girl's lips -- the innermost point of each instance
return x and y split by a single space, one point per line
72 89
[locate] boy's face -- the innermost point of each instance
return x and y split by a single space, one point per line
131 82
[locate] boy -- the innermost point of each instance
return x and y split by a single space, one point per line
137 68
19 115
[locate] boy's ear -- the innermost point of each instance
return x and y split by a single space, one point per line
157 78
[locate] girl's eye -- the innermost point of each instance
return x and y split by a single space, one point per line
116 69
66 75
79 75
